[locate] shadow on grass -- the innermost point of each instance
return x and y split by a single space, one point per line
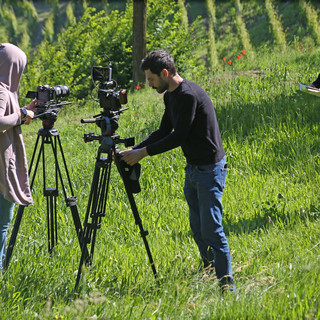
272 214
294 121
244 119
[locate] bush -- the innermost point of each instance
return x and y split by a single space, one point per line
69 59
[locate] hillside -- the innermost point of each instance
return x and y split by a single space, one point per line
30 22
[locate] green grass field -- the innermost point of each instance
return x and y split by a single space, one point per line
270 132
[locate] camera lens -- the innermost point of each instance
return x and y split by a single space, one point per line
61 90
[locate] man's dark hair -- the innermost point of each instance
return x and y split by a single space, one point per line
158 60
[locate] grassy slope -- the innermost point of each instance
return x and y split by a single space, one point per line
271 135
271 201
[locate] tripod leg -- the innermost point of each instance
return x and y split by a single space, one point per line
71 202
13 237
96 208
51 196
135 212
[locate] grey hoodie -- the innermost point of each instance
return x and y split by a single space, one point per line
14 181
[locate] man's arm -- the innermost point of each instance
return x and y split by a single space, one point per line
184 111
164 129
139 151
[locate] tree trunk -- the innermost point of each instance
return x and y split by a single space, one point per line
139 49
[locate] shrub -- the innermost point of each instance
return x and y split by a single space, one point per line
69 59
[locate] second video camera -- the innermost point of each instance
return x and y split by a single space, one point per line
48 100
45 93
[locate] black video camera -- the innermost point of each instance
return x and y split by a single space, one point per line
110 100
48 100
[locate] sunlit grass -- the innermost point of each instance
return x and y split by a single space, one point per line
271 213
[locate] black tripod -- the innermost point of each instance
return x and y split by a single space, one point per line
49 136
96 208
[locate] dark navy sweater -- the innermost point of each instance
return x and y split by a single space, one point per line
189 121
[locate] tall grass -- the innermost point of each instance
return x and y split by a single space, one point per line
276 24
212 51
312 18
271 212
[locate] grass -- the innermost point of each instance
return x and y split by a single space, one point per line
271 202
271 135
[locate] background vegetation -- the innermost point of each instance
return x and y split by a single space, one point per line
270 131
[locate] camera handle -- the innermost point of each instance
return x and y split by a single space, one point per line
96 208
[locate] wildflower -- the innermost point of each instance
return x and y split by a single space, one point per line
230 62
238 57
138 87
111 258
224 58
135 114
219 67
299 47
310 48
243 51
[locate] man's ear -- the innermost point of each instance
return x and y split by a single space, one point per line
164 73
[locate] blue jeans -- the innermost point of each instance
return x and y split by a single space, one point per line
6 215
203 190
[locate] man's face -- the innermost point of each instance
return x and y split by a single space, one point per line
157 82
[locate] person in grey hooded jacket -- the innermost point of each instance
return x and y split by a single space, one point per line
14 181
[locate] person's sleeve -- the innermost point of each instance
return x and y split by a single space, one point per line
7 121
185 113
316 83
164 129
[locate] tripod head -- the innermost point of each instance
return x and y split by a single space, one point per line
50 115
108 126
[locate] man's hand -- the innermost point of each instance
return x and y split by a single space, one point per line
133 156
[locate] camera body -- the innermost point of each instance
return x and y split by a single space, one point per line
47 98
109 99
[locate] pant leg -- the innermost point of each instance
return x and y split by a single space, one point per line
208 183
191 195
6 215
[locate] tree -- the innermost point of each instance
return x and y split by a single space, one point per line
139 49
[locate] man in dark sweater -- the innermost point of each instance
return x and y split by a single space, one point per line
190 121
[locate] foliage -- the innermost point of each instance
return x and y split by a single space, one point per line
276 24
19 31
69 59
164 31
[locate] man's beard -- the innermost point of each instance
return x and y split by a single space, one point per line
162 87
